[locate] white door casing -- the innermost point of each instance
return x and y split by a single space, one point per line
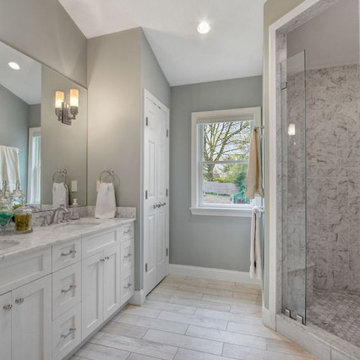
156 191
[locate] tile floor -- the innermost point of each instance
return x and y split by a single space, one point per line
337 312
192 319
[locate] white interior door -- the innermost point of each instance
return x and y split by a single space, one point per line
156 192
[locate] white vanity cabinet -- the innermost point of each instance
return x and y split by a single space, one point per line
101 281
52 299
25 322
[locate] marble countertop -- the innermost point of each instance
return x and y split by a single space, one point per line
47 236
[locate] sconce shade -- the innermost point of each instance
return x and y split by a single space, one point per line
59 99
74 97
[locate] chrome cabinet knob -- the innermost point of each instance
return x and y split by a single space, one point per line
19 301
7 307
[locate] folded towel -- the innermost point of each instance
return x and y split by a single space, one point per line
254 175
60 195
105 202
255 247
9 166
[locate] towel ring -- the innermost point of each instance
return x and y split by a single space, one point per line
60 174
107 173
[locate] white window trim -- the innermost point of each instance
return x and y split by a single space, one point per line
32 131
205 116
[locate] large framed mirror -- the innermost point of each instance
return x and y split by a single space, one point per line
43 137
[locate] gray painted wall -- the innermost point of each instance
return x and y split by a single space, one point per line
14 128
62 146
34 115
119 66
43 30
208 241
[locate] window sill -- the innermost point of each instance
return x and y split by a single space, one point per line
209 211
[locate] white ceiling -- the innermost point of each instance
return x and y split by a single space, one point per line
24 83
232 49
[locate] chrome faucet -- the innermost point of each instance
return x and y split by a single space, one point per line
65 213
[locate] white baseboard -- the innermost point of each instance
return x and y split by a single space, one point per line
138 298
211 273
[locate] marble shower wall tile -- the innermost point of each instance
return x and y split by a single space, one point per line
333 176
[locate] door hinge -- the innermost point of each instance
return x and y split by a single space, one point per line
167 251
167 192
147 121
146 194
146 267
167 132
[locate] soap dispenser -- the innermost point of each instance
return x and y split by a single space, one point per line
75 214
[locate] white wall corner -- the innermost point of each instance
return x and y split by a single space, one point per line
212 274
138 298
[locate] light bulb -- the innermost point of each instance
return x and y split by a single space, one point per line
204 27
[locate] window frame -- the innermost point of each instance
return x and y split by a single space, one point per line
33 132
197 208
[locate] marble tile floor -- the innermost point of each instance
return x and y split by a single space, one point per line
192 319
337 312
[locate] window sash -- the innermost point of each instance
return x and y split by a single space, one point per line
199 120
200 163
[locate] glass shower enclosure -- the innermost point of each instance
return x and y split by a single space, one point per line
294 197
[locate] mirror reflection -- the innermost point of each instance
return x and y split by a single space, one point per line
43 137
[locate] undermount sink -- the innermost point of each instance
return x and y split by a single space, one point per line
5 244
75 225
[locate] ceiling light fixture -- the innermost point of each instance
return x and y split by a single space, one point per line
14 65
204 27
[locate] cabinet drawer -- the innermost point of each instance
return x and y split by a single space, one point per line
66 289
127 288
66 254
127 252
66 332
93 244
24 269
126 232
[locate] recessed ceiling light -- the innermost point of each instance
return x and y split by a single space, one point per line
204 27
14 65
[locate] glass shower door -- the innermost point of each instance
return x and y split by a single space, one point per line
293 93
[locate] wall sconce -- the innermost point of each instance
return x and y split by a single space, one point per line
67 112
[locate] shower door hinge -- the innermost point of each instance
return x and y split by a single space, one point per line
146 267
167 252
287 312
167 133
147 121
146 194
300 319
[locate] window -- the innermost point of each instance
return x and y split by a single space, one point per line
220 155
34 166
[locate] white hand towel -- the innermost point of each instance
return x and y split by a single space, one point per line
9 169
105 202
254 175
60 195
255 247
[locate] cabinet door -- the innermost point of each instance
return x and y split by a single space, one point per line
31 321
5 326
92 293
111 280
